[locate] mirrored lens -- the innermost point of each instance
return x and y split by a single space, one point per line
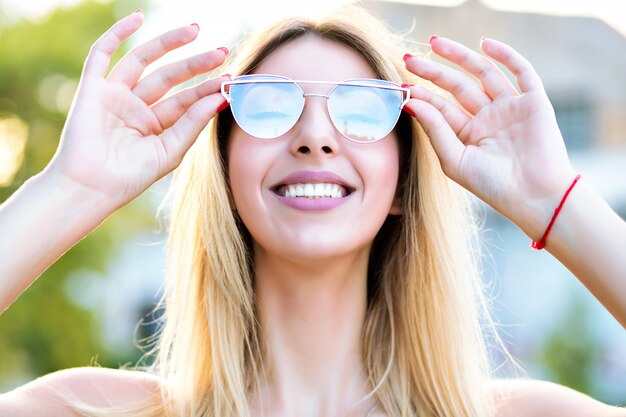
266 110
365 113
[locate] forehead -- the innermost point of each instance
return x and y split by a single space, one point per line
314 58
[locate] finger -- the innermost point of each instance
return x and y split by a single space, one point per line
172 108
155 85
467 92
527 78
129 69
448 147
492 79
182 134
455 116
99 58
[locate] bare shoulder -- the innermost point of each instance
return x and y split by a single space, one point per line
530 397
45 396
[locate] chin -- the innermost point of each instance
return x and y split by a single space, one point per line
314 251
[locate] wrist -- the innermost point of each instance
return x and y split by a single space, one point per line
541 243
43 219
72 197
537 214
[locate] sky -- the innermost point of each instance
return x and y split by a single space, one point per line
221 22
261 12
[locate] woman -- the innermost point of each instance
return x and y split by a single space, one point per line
319 261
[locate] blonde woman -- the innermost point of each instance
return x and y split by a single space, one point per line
320 262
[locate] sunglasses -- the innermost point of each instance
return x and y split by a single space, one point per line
267 106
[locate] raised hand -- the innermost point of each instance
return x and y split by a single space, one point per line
121 135
501 144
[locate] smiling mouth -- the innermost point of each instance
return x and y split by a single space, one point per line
312 190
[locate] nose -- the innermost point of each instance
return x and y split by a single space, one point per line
315 134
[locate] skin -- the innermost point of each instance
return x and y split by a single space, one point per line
122 135
311 269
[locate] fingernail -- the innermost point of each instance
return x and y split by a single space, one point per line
139 11
196 25
223 49
222 106
482 40
407 85
432 38
407 56
408 111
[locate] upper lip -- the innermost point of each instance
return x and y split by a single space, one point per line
314 177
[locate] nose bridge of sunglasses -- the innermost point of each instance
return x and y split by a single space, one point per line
316 95
315 108
315 104
316 89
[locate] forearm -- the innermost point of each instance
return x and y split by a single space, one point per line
40 222
589 238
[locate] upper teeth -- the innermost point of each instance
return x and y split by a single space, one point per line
313 190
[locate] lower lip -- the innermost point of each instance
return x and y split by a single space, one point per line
312 204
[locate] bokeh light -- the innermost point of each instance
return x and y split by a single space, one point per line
13 136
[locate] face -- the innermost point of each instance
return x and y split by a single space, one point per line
313 152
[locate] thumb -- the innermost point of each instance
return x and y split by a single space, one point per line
448 147
181 135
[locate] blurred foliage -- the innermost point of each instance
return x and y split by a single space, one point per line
43 330
570 354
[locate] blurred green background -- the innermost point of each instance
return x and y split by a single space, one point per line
40 66
47 329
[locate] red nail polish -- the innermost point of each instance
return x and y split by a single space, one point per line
432 38
196 25
408 111
223 49
407 85
222 106
407 56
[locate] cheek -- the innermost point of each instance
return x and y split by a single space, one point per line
241 170
249 160
380 170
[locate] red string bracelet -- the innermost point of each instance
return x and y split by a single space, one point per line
542 242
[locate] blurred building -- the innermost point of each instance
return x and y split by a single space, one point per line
582 62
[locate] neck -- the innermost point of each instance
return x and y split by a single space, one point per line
312 315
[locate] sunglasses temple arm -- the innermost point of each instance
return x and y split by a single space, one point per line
224 93
408 97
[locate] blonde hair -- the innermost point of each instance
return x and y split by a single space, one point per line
427 322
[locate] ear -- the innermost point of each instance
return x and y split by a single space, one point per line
396 206
231 200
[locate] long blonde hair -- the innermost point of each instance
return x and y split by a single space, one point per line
423 339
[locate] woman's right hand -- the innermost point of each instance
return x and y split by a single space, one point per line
120 137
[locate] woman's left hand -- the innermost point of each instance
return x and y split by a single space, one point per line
502 145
